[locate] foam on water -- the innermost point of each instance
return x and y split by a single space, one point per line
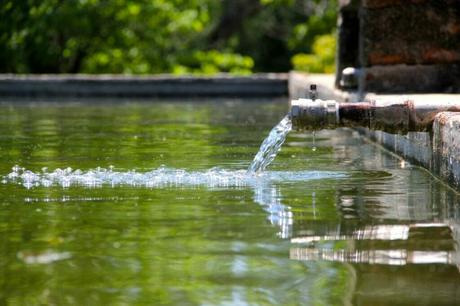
271 146
157 178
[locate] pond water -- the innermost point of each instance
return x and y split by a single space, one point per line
149 203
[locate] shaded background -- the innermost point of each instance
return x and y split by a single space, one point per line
166 36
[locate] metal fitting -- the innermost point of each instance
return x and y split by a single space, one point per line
314 114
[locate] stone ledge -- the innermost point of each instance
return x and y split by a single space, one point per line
258 85
438 152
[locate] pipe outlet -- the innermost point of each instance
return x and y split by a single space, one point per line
314 114
390 116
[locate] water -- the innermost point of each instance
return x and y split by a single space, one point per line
159 178
150 203
271 146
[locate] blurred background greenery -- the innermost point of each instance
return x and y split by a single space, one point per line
166 36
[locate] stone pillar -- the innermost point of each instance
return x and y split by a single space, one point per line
347 37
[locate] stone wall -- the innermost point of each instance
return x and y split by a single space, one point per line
410 32
401 45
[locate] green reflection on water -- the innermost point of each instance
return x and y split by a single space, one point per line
202 245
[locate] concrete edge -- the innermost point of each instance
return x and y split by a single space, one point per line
446 147
164 86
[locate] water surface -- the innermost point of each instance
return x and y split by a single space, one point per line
149 203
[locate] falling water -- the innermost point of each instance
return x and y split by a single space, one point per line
271 146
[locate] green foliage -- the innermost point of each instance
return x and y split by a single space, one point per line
161 36
211 62
322 58
283 28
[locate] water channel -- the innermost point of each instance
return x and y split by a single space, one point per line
150 202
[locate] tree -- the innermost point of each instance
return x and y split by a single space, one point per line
144 36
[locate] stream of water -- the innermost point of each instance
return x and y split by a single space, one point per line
271 146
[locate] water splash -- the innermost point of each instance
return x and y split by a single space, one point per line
271 146
158 178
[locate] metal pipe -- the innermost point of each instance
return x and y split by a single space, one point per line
389 116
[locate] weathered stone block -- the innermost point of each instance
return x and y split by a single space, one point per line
411 78
409 32
446 147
